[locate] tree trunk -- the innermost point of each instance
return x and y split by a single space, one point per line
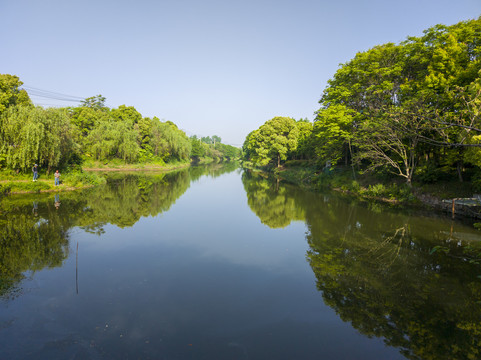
278 160
459 166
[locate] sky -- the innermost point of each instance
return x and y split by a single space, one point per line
213 67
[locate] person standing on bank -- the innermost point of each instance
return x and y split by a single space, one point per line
57 178
35 172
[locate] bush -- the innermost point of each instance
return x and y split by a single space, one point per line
79 178
378 190
5 189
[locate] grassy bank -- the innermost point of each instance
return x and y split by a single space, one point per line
376 187
118 165
20 183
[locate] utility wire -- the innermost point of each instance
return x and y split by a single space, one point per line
36 92
50 92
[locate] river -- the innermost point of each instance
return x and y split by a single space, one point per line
218 262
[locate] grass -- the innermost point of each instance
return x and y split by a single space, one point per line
119 165
11 183
9 187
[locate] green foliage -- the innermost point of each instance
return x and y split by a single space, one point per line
10 92
305 145
58 138
273 141
82 178
5 188
197 150
377 190
95 102
332 131
21 187
34 135
388 106
210 149
126 114
113 140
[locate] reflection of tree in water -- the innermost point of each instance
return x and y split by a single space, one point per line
29 243
377 271
274 204
35 239
213 170
127 198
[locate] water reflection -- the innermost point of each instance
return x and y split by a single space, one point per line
35 230
57 201
30 242
275 206
380 271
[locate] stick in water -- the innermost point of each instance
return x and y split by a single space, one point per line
76 270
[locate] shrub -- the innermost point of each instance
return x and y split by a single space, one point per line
5 189
79 178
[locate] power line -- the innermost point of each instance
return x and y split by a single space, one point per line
47 94
31 88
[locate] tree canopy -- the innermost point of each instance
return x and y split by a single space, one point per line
411 109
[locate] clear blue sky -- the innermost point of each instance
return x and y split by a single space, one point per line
213 67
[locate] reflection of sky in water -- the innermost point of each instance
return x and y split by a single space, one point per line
205 279
212 217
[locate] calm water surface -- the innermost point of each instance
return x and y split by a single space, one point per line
220 263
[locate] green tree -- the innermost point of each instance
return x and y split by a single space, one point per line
397 105
197 151
10 92
273 141
94 102
126 114
332 133
304 143
35 135
206 139
114 139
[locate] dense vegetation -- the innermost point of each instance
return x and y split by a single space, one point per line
410 109
209 149
89 133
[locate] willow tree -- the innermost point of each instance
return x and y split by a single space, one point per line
169 142
35 135
273 141
113 139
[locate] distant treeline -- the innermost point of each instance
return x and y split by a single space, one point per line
411 109
61 137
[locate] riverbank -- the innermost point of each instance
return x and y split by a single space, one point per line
446 197
87 176
74 179
107 167
69 181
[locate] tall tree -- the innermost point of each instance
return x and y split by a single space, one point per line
96 102
10 92
273 140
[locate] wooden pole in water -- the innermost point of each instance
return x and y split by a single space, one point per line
452 211
76 270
